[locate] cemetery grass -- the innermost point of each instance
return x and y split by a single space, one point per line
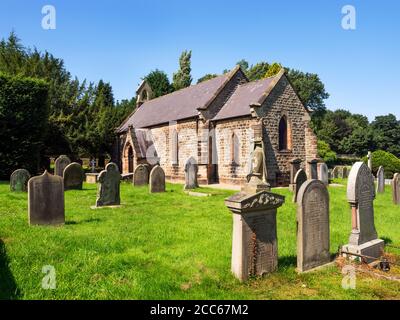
168 246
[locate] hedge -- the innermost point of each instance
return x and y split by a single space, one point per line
390 163
23 123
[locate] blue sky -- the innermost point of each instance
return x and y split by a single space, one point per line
121 41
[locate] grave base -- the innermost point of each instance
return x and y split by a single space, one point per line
95 207
373 249
326 265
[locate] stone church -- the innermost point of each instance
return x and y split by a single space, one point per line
214 122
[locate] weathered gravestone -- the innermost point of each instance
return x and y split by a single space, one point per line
361 194
19 180
323 173
313 168
60 164
335 172
299 179
73 176
396 188
380 180
157 180
108 190
191 169
141 175
312 226
369 156
254 241
46 200
294 167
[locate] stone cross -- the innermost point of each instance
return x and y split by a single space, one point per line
157 180
294 167
93 165
19 180
312 164
361 194
46 200
299 179
191 170
396 188
254 241
73 176
369 156
323 173
380 177
60 164
109 184
313 242
141 175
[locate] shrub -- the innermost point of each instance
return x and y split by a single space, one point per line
390 163
325 152
23 123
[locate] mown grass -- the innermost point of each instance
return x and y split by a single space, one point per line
168 246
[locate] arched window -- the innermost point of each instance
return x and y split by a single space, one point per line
235 149
144 95
175 147
283 134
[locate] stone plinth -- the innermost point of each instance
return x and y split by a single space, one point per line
92 177
294 168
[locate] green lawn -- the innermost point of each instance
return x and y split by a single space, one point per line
168 246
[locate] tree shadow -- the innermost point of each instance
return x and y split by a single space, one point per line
387 240
73 222
287 261
8 286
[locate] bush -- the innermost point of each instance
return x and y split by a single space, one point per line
23 123
390 163
325 152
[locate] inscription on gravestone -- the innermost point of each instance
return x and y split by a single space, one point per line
157 180
109 184
60 164
73 176
141 175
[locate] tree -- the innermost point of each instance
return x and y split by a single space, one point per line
273 70
206 77
182 77
244 65
387 133
159 83
258 71
325 152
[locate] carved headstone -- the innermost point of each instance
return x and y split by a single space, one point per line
323 173
313 226
380 179
396 188
313 169
46 200
108 190
73 176
157 180
19 180
254 241
60 164
141 175
294 167
191 170
361 194
299 179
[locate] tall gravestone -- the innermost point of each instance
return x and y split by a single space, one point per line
396 188
369 156
46 200
19 180
361 194
191 170
141 175
299 179
380 179
157 180
73 176
313 169
60 164
294 167
323 173
313 241
109 184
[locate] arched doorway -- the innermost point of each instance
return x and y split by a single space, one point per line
130 159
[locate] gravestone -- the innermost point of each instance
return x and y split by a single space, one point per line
340 172
396 188
299 179
313 169
254 241
294 167
73 176
60 164
335 172
108 190
361 194
141 175
46 200
157 180
369 156
191 169
380 180
345 173
323 173
312 226
92 177
19 180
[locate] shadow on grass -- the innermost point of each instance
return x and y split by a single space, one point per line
8 286
73 222
387 240
287 261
